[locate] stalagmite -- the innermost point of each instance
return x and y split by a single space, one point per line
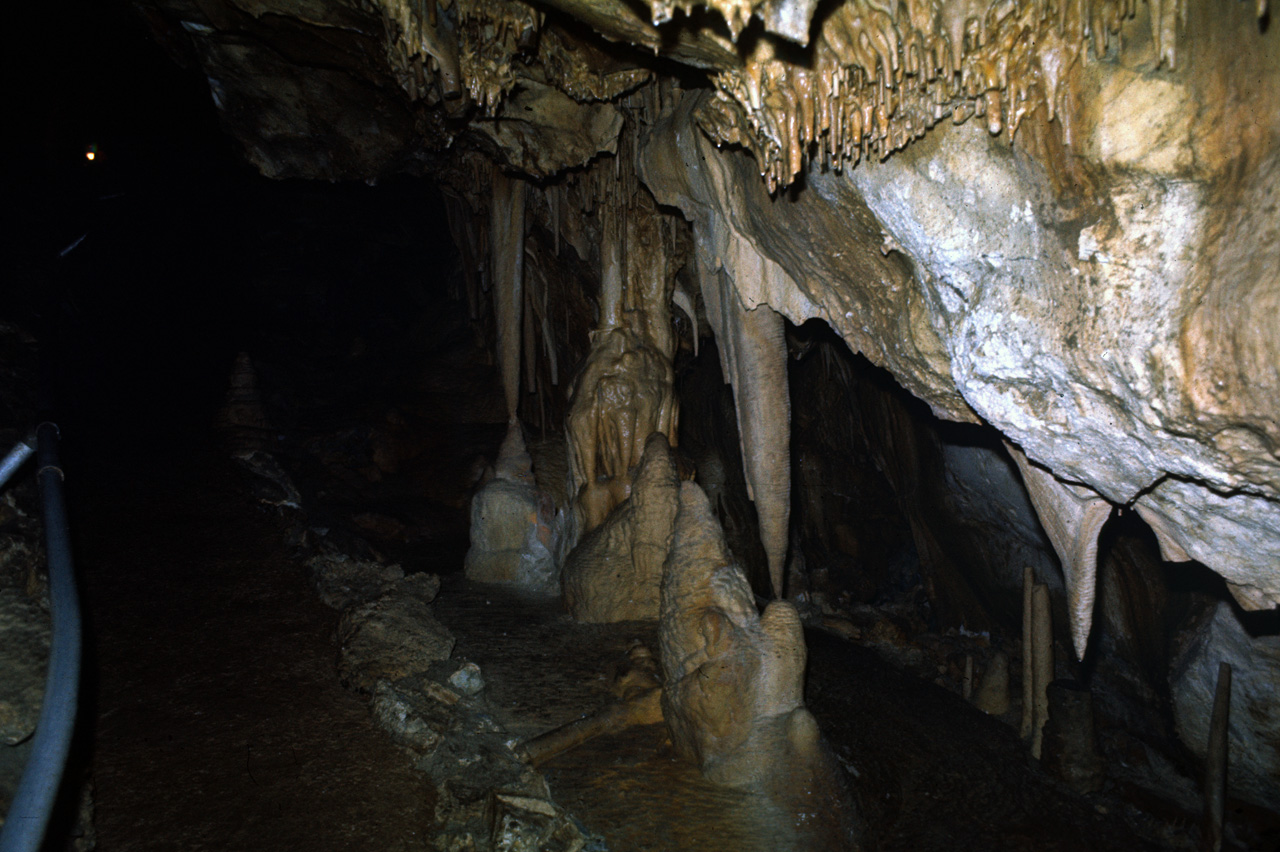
1069 745
992 695
615 572
1215 769
1072 516
1028 666
506 243
1041 664
242 421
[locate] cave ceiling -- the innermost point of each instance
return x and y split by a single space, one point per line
1058 218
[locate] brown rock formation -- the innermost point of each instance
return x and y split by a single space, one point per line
733 697
615 572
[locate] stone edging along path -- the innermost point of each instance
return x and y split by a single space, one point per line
431 703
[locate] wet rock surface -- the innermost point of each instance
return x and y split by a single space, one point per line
1087 300
390 638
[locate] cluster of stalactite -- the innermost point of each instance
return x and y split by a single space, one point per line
603 219
493 35
422 49
865 79
582 70
437 50
881 74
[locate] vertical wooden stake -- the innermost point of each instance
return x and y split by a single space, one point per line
1028 583
1215 770
1041 663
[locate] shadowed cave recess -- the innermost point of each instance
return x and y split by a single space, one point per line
607 425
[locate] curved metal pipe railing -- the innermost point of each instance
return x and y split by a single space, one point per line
20 453
28 818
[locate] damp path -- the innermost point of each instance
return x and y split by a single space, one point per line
217 720
543 670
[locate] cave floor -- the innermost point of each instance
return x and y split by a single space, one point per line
932 773
217 719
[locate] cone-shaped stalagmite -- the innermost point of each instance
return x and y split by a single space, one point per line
992 694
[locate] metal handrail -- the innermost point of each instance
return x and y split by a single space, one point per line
28 818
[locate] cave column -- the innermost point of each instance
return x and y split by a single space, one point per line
753 356
625 391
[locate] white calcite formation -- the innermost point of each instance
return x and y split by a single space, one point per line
514 526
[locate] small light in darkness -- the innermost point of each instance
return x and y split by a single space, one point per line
91 153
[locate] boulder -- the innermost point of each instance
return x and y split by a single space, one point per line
1253 731
388 639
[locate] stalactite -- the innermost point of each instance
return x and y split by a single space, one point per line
1028 630
754 357
549 346
879 76
529 338
1072 517
611 260
462 229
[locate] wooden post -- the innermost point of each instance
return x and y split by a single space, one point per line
1041 663
1028 583
1215 770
